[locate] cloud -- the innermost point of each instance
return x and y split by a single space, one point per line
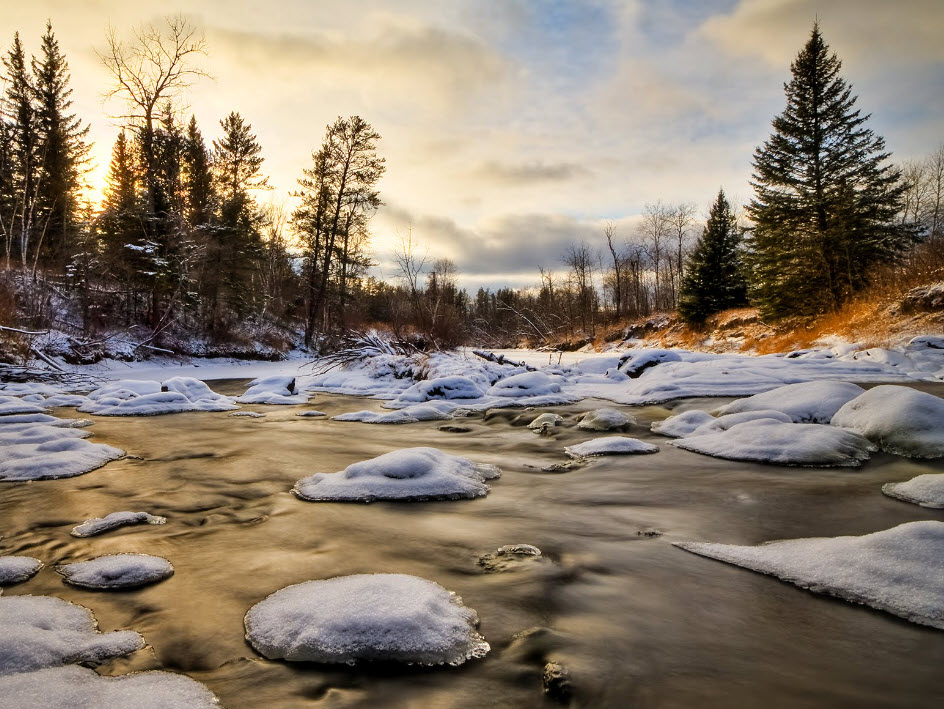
530 172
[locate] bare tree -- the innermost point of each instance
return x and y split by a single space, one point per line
655 231
579 258
682 219
609 232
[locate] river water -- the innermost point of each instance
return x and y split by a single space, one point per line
636 621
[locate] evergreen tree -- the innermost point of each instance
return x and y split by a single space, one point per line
714 276
825 199
197 178
23 148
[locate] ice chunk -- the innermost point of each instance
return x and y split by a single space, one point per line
770 441
81 688
430 411
452 387
408 474
280 390
98 525
900 420
63 458
13 405
925 490
610 445
44 631
525 384
386 617
17 569
543 421
897 570
805 402
605 420
681 424
117 571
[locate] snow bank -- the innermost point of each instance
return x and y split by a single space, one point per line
900 420
525 384
386 617
681 424
925 490
132 397
98 525
43 631
17 569
279 390
60 458
635 362
897 570
610 445
605 420
769 441
452 387
117 571
805 402
408 474
545 421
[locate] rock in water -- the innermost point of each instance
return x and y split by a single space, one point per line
98 525
606 420
610 445
117 571
17 569
805 402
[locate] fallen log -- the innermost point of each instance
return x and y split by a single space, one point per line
501 359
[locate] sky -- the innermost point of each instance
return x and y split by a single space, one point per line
512 128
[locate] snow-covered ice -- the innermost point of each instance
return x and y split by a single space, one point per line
59 458
610 445
899 570
408 474
17 569
44 631
769 441
279 390
899 419
386 617
98 525
925 490
804 402
117 571
605 420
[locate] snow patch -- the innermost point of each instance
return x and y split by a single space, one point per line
59 458
17 569
925 490
117 571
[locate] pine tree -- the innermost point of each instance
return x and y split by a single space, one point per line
23 149
714 275
825 198
197 178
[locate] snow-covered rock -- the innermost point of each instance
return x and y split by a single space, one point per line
71 400
10 423
900 420
280 390
408 474
723 423
311 413
60 458
386 617
610 445
429 411
681 424
526 384
769 441
196 391
804 402
13 405
925 490
897 570
545 421
117 571
17 569
98 525
635 362
605 420
38 433
452 387
44 631
130 397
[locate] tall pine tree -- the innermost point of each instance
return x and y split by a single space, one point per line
825 198
714 275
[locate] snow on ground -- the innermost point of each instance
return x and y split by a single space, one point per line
407 474
278 390
769 441
386 617
17 569
925 490
99 525
44 631
899 419
132 397
804 402
898 570
117 571
610 445
62 457
605 420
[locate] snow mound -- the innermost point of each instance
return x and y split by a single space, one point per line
525 384
17 569
681 424
804 402
900 420
72 400
38 433
44 631
638 361
130 397
10 423
723 423
98 525
117 571
13 405
605 420
61 458
430 411
769 441
386 617
545 421
81 688
452 387
408 474
279 390
897 570
196 391
610 445
925 490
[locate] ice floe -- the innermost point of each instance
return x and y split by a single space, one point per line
898 570
605 420
98 525
925 490
899 419
114 571
17 569
385 617
769 441
804 402
59 458
279 390
408 474
610 445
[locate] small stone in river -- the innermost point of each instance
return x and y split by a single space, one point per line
455 429
509 557
557 684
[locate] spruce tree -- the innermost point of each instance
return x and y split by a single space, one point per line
825 198
197 178
23 148
714 275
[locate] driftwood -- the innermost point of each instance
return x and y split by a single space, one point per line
4 328
501 359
